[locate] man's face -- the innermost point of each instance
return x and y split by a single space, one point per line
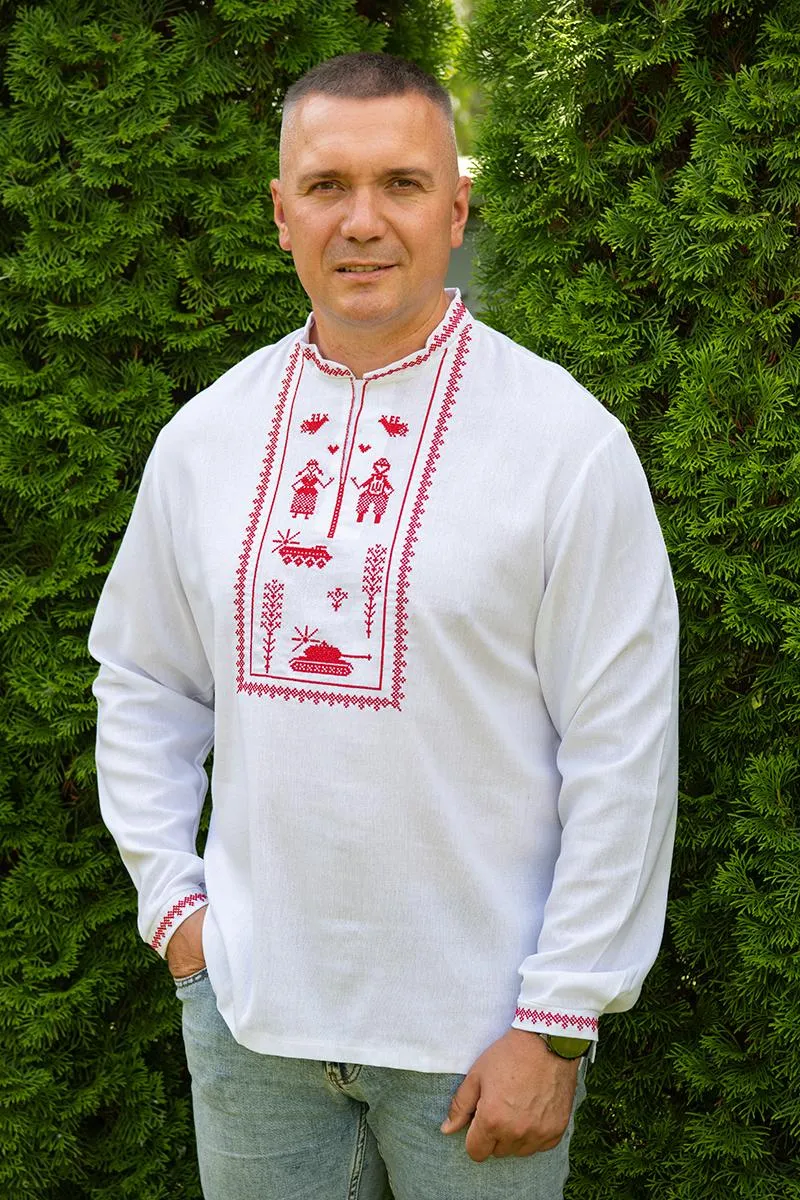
370 204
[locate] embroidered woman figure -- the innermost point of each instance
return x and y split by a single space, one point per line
375 491
306 486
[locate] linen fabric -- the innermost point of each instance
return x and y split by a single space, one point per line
426 620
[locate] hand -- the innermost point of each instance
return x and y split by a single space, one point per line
518 1096
185 947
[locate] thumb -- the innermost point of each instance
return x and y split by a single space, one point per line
463 1105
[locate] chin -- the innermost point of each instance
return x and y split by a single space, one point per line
367 312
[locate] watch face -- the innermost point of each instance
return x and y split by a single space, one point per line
567 1047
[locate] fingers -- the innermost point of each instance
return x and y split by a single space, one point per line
185 947
462 1106
480 1143
485 1140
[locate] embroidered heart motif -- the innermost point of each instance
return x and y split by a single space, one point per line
333 449
364 448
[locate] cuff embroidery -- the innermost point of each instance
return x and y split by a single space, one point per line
563 1020
191 901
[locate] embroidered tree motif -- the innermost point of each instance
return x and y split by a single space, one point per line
337 597
313 423
271 614
394 426
372 582
375 491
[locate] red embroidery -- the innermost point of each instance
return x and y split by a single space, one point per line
255 513
271 613
457 315
407 553
320 657
303 636
313 423
176 911
382 685
333 449
375 491
372 582
306 485
364 448
353 416
337 597
394 426
326 367
459 311
309 556
563 1020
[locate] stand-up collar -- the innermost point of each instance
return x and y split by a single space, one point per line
453 321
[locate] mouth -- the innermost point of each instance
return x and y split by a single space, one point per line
364 268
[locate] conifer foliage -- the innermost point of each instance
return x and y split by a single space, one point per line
138 261
640 169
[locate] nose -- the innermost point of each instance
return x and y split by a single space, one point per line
363 219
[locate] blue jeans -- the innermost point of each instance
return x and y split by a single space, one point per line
272 1128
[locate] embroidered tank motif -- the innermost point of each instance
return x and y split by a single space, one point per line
324 659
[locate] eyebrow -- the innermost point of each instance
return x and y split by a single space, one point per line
394 173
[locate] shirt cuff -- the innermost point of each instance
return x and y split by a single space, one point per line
556 1021
174 916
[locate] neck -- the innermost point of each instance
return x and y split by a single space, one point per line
368 349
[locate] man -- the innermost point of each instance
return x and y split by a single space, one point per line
444 742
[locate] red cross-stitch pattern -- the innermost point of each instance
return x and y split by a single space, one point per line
407 554
458 314
314 423
326 368
337 598
563 1020
255 513
372 582
175 911
394 426
271 613
257 687
459 311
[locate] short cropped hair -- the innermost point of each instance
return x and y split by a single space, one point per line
366 76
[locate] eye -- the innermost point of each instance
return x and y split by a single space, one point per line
404 184
325 185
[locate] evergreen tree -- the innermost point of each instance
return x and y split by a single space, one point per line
640 168
138 261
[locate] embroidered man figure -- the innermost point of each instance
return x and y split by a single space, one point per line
375 491
442 815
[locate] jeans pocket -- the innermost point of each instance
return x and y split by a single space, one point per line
184 982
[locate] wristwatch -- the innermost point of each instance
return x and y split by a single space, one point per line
566 1047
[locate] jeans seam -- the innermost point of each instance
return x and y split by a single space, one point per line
357 1169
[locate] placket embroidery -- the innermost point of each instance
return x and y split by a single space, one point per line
328 651
347 453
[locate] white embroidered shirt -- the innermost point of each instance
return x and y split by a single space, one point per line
426 620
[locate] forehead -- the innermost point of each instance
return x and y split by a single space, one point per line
336 131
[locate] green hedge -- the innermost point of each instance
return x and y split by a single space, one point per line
138 261
640 169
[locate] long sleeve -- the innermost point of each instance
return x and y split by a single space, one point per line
155 718
606 654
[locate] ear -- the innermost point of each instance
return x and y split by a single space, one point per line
460 211
280 216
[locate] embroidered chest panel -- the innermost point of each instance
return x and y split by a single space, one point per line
324 576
